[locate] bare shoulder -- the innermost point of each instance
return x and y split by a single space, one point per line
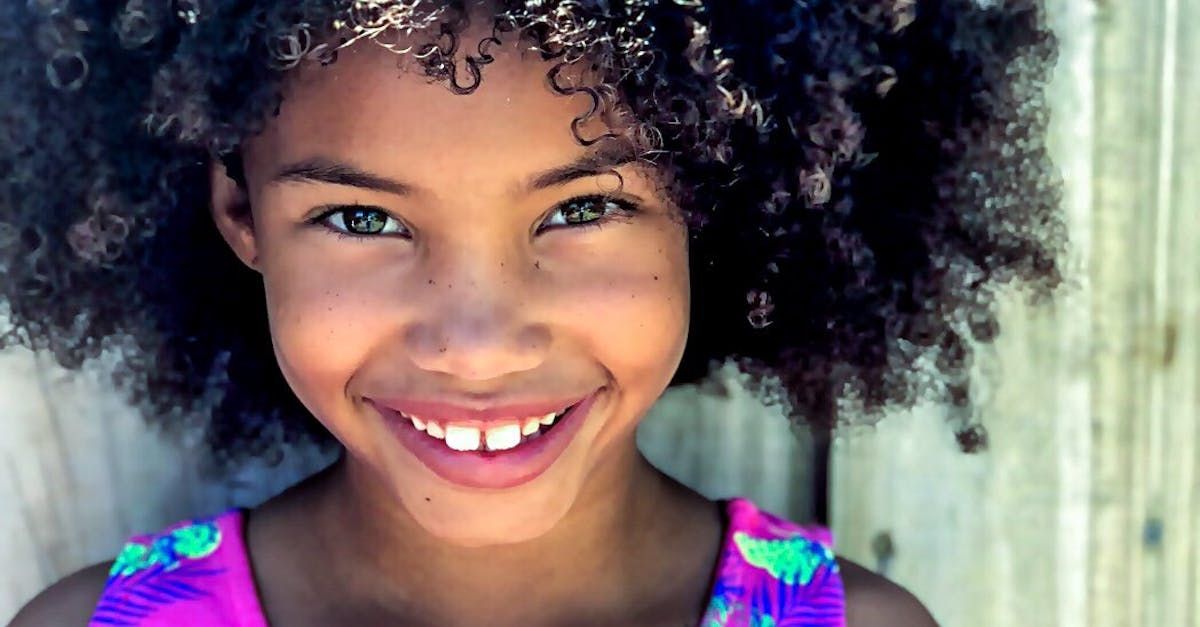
66 603
873 600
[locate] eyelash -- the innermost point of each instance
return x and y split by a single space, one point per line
624 210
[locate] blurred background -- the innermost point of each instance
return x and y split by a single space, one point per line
1084 510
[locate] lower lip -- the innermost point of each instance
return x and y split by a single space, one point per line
494 470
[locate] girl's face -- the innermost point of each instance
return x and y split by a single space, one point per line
484 286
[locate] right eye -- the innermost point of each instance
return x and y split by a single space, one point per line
359 221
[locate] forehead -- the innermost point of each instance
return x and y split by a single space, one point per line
377 109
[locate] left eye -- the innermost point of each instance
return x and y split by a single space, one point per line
588 211
359 221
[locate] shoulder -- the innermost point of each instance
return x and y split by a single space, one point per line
69 602
873 600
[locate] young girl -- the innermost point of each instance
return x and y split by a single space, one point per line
469 244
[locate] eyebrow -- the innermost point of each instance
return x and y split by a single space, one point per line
327 170
599 159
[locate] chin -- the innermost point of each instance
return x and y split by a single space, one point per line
483 519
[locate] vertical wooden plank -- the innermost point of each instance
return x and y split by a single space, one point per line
1146 284
1179 316
1186 493
1071 142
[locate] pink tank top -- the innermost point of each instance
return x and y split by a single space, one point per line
196 572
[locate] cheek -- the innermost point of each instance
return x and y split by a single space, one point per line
633 311
321 329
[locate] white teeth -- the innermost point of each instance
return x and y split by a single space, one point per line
468 438
505 437
462 438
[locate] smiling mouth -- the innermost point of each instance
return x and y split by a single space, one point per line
495 436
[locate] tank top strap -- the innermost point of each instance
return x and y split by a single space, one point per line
775 572
194 572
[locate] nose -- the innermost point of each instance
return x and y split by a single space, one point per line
479 323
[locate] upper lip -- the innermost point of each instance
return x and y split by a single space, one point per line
442 411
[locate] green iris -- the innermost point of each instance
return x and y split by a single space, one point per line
583 209
365 221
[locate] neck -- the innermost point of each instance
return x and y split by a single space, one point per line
625 523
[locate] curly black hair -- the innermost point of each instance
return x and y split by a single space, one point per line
859 178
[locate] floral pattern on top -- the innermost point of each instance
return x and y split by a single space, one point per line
193 541
775 573
771 573
153 573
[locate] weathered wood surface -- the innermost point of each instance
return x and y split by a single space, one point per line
1085 511
79 473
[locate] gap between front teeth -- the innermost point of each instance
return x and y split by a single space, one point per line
497 438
